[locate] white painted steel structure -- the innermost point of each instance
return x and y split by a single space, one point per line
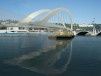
48 15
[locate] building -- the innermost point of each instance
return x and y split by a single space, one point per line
85 25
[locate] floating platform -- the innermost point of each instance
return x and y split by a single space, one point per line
61 37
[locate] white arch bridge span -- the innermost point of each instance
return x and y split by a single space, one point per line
56 18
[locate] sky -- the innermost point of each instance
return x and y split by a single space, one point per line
83 11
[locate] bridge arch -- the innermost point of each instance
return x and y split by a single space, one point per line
83 33
56 11
45 19
33 15
99 34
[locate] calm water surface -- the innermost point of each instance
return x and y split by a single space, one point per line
37 55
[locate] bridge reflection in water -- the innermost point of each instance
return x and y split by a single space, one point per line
52 60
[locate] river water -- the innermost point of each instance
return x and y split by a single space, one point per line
37 55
